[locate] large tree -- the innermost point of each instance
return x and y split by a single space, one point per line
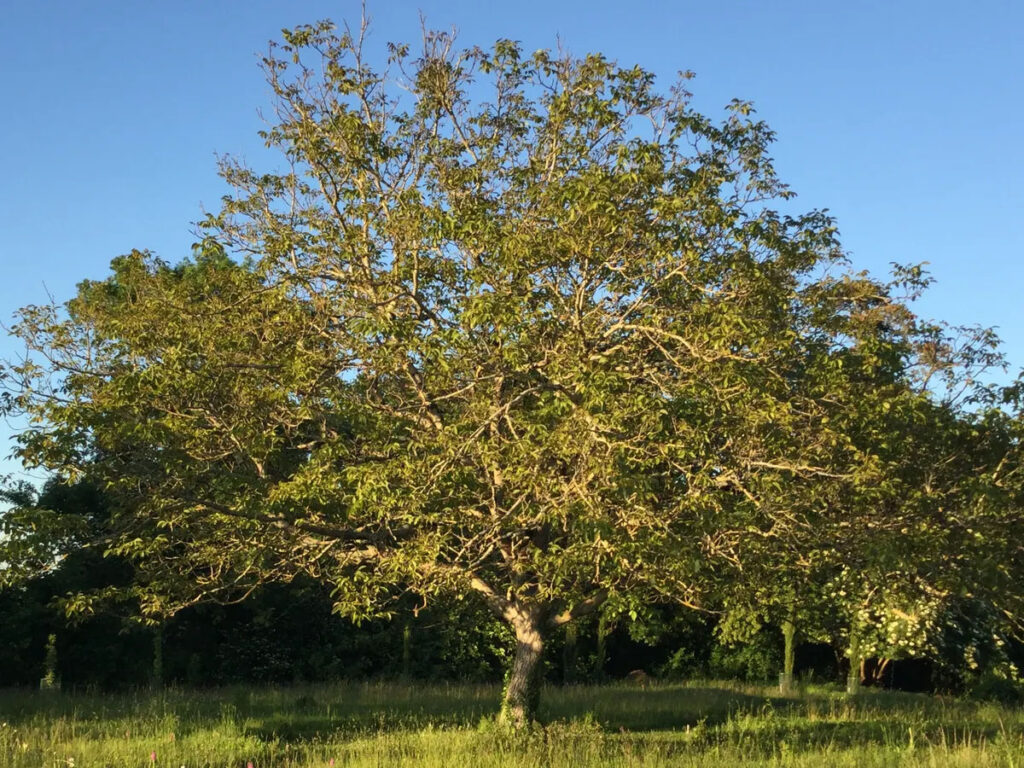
522 325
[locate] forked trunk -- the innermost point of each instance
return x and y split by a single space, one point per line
878 673
522 691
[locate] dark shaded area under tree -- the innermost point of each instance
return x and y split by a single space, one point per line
287 633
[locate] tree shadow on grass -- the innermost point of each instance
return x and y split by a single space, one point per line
658 708
804 735
369 711
682 716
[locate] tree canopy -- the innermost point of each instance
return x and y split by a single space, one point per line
519 324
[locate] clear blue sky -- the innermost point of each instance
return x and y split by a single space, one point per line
904 118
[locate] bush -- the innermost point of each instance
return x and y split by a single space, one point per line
756 661
990 687
683 663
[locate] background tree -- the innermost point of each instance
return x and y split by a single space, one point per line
56 581
884 545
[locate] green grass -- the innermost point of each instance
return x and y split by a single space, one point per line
381 725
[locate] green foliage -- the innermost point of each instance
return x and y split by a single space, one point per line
525 326
756 661
50 679
531 345
683 663
992 687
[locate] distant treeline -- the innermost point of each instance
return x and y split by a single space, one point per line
286 633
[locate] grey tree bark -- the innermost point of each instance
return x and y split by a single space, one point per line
522 691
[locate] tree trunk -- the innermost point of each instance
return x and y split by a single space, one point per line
878 673
570 654
157 673
856 661
601 653
407 650
522 691
786 683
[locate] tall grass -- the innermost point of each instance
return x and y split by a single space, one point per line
381 724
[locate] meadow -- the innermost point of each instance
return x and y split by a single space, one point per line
708 724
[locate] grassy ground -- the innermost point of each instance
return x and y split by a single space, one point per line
698 724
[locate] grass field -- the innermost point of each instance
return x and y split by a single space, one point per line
381 725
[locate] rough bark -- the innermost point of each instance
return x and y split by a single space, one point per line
530 623
522 691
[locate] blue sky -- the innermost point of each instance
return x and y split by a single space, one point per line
903 118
